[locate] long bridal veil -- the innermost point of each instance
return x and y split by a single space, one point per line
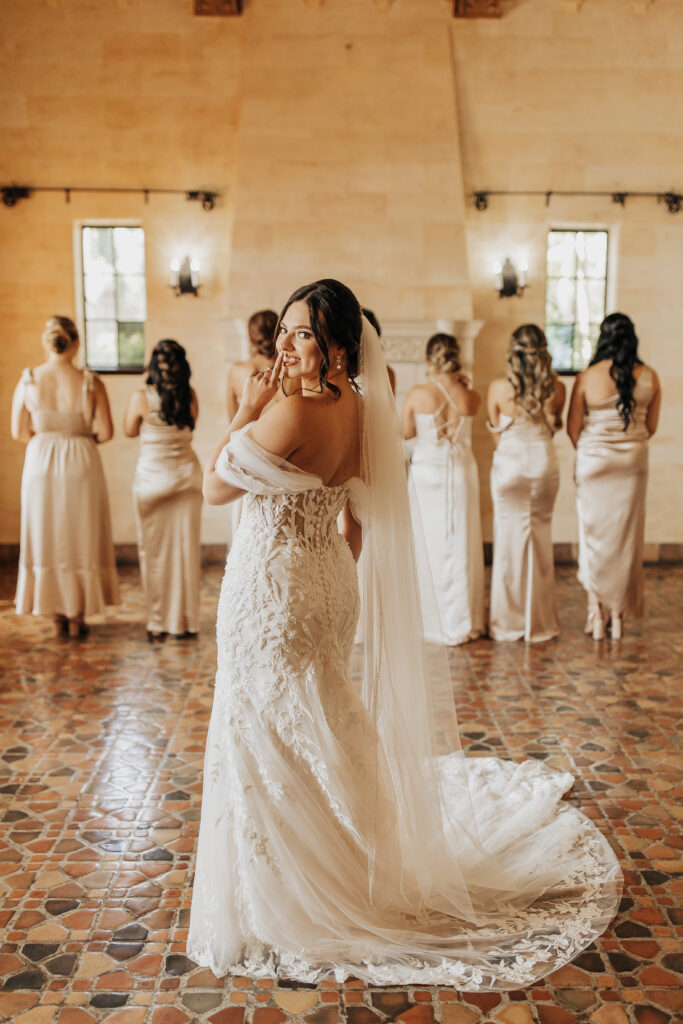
478 875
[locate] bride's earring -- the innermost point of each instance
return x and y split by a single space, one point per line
339 361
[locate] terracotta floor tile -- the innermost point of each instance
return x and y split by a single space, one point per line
100 771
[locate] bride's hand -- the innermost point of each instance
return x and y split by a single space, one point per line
262 386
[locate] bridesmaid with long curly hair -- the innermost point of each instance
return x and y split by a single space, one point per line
525 410
614 410
167 492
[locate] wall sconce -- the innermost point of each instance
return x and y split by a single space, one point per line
509 280
184 277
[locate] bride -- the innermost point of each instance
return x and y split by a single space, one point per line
343 832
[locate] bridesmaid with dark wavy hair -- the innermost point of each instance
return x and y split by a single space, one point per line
613 412
167 492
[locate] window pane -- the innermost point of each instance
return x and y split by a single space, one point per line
101 343
595 291
131 345
560 301
561 254
99 296
560 344
131 300
129 250
98 253
594 253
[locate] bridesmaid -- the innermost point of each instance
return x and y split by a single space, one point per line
525 410
446 484
613 412
167 492
261 331
66 561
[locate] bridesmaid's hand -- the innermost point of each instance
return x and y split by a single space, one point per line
261 387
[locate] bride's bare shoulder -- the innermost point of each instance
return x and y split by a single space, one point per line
283 425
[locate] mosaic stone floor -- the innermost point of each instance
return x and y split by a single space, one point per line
100 769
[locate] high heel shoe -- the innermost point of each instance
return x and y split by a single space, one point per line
616 625
595 623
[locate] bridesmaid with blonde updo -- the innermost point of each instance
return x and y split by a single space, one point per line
66 560
438 415
525 410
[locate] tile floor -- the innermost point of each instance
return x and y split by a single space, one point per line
100 781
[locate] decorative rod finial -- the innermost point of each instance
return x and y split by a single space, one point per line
481 200
672 200
11 194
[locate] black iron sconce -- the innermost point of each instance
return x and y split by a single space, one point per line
184 276
509 279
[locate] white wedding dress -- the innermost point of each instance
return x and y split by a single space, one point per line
332 842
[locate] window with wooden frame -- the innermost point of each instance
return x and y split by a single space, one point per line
114 297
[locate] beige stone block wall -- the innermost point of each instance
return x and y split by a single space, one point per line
550 98
343 140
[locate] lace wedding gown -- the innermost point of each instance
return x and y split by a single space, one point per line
308 863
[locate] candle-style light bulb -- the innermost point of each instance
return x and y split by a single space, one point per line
523 267
174 278
498 273
194 272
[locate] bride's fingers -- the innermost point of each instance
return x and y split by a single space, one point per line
277 367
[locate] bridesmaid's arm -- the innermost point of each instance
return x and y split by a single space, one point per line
103 427
466 398
21 418
135 412
408 417
577 411
652 417
493 407
557 406
351 531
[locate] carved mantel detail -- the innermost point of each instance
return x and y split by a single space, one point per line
477 9
217 8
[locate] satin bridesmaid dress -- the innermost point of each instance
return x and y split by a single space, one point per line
66 560
446 511
524 482
167 493
611 481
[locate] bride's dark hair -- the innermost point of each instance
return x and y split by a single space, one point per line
335 319
169 374
618 341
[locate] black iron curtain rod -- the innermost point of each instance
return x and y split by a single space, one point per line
11 194
672 199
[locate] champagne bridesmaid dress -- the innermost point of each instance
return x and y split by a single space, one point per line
611 480
66 560
524 483
167 492
446 490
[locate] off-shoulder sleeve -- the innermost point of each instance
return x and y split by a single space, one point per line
245 464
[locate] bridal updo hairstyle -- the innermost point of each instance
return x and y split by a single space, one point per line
618 341
443 354
60 334
530 369
169 374
261 329
335 320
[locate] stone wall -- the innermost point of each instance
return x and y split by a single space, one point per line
344 140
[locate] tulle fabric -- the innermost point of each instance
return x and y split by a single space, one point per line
343 832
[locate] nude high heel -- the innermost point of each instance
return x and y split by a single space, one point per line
595 622
616 626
